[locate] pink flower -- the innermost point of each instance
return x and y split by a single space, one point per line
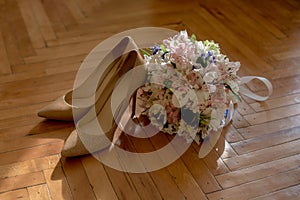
192 77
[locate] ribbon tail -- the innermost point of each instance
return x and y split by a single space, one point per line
243 90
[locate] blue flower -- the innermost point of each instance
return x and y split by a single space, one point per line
155 49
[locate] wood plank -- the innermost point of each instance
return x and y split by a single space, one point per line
243 108
59 85
283 68
231 134
215 163
293 53
12 87
185 181
250 23
228 151
183 178
62 51
24 110
162 178
28 166
48 64
21 194
67 68
31 24
65 15
256 172
77 39
231 37
122 184
276 103
98 178
88 7
266 23
287 193
238 121
263 156
265 141
57 184
4 61
77 179
19 121
275 114
200 171
270 127
52 12
20 31
38 192
35 140
25 75
30 153
33 129
259 187
9 38
21 181
74 9
42 20
32 99
143 182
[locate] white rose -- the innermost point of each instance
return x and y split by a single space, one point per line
209 77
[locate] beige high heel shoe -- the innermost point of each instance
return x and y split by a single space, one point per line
62 108
90 138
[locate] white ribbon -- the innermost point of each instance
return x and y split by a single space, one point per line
248 93
211 140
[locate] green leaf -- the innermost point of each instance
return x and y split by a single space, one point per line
145 52
235 94
201 61
163 48
193 38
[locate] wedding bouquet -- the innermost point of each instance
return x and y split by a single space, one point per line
190 85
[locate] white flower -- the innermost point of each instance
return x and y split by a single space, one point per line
233 85
212 88
233 67
209 77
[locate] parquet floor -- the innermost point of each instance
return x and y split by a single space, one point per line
43 42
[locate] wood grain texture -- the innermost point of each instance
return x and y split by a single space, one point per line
44 42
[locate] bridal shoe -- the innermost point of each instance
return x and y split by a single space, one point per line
62 108
107 110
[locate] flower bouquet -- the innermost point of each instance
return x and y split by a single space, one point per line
190 85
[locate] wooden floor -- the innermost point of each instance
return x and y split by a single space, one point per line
43 42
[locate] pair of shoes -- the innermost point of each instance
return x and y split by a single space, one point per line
62 107
98 108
